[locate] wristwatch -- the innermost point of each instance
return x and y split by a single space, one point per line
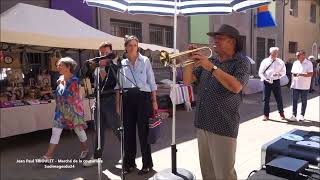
213 68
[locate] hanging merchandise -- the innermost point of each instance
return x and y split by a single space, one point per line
1 56
54 58
25 63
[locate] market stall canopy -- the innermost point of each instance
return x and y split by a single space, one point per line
33 25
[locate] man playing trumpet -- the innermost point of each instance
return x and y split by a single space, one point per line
221 79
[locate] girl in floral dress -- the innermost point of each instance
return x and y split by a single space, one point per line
69 113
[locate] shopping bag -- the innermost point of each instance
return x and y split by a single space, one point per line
155 122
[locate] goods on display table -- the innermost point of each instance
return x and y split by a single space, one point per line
18 92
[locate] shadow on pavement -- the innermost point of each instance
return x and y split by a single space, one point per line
305 123
33 145
252 105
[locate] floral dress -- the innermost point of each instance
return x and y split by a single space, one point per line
69 113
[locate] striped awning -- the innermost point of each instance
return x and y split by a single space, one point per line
184 7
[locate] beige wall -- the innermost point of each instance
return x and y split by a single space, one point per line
300 29
145 20
243 22
6 4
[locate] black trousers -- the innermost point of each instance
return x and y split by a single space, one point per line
108 119
276 89
137 108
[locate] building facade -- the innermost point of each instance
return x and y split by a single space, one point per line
256 41
149 29
302 27
297 28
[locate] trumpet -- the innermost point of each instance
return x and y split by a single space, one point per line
168 59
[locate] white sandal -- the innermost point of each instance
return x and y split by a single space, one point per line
45 159
83 154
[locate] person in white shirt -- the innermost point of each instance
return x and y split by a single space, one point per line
302 71
270 71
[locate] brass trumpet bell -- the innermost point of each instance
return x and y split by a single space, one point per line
167 59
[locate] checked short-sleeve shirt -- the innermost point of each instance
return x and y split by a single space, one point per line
217 109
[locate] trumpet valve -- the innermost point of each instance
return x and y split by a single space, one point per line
165 58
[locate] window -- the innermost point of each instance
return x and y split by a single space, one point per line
161 35
121 28
313 12
293 47
293 8
261 50
271 43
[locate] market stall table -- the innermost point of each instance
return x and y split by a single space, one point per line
29 118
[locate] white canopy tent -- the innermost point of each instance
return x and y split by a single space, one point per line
33 25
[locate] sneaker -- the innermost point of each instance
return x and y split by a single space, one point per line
84 154
91 162
45 160
265 118
144 171
293 118
301 118
282 116
120 161
128 170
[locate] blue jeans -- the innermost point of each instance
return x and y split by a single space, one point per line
295 98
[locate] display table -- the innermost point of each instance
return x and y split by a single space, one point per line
256 85
253 86
29 118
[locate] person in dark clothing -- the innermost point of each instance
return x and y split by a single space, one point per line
288 72
314 64
108 116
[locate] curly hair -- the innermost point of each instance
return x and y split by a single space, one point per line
69 63
129 38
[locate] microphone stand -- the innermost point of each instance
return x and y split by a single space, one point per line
97 109
121 90
98 118
112 68
121 128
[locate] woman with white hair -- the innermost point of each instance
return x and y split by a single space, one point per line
69 113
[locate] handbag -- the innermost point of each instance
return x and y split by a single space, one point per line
155 122
284 80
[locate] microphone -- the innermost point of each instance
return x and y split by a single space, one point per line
109 57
